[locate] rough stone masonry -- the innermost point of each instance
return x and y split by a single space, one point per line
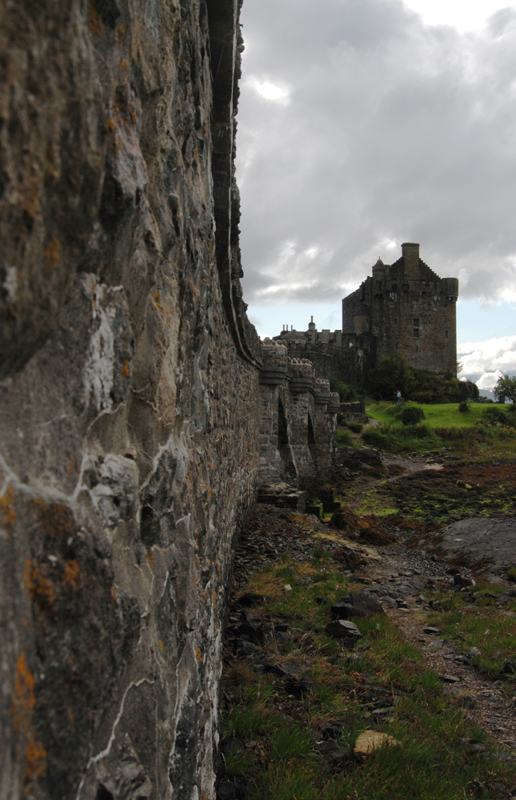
138 411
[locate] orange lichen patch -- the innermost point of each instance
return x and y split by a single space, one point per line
113 594
199 655
214 598
71 464
150 558
123 65
157 300
36 759
72 574
125 369
71 717
95 21
120 33
161 646
40 588
23 696
53 252
54 519
7 509
194 290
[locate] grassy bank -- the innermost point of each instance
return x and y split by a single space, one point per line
481 431
294 739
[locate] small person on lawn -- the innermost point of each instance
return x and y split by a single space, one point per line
398 397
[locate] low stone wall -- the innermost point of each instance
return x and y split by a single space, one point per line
298 418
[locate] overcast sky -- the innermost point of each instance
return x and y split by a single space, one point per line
367 123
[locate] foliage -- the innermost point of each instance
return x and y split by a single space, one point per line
411 415
344 438
505 389
393 373
356 427
346 393
494 416
463 406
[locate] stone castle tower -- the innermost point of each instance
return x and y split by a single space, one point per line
405 308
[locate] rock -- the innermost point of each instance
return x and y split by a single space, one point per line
356 605
432 631
332 730
461 580
244 649
249 599
449 678
342 629
369 741
232 745
229 790
509 668
299 688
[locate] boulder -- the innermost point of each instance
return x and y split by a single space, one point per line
356 605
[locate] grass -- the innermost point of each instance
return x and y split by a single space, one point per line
484 431
446 415
285 754
474 620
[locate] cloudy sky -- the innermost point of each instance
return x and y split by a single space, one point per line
367 123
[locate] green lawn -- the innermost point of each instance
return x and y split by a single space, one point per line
446 415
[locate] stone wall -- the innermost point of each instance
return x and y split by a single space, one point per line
298 418
405 308
129 393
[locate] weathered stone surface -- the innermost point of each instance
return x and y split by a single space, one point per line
132 418
490 541
369 741
356 605
129 393
342 629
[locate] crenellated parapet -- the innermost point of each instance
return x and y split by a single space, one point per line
298 417
302 375
275 363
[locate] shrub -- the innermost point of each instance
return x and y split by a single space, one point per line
375 437
511 409
344 438
463 406
494 416
416 432
346 393
356 427
411 415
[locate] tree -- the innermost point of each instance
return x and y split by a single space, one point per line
505 389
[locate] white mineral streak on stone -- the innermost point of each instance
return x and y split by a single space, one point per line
98 373
11 283
103 753
116 496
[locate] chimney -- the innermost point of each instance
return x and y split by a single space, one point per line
410 253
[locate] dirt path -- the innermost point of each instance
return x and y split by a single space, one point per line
485 700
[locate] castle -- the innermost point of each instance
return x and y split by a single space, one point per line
403 308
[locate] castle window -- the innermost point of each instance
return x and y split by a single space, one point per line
416 328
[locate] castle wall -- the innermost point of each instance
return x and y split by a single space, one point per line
129 394
298 419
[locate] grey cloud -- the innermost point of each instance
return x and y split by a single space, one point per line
393 131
